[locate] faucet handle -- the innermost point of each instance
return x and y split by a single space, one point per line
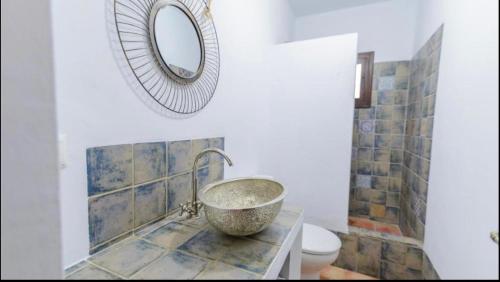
181 212
184 208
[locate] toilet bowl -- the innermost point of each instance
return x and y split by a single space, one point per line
320 248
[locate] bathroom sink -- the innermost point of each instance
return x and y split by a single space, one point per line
242 206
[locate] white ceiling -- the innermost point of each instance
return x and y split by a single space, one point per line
308 7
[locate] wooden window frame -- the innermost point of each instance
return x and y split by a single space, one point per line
366 60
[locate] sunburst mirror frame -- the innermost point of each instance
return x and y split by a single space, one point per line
179 95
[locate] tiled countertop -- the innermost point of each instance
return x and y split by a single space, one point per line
192 249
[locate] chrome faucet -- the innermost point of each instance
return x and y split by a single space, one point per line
192 208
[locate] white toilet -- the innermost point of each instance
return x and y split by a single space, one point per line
320 248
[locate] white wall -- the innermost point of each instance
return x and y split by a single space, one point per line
96 107
309 125
463 190
386 28
31 238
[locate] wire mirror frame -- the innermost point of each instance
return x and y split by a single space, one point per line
132 21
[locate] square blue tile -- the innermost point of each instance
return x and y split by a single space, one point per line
198 146
364 181
216 171
150 203
381 155
398 127
109 216
385 83
365 168
364 154
403 68
385 97
365 114
396 156
397 142
109 168
179 191
288 216
179 157
149 161
366 140
250 255
354 153
427 148
222 271
399 113
381 169
401 82
274 234
173 266
400 97
383 126
90 272
380 182
218 143
386 68
396 170
202 177
394 251
128 258
383 112
382 141
208 243
171 235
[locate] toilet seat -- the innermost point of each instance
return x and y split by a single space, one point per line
319 241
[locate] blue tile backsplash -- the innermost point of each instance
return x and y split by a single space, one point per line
179 191
149 161
150 202
109 168
179 157
132 185
110 215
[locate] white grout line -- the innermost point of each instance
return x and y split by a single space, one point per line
107 270
76 270
109 192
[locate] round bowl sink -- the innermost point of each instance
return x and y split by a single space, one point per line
242 206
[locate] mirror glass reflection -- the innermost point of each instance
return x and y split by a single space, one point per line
177 41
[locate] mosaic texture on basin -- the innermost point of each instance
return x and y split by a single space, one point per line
244 206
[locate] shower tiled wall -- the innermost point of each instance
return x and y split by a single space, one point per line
133 185
424 74
384 256
378 146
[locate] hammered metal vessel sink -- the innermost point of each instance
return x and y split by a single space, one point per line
242 206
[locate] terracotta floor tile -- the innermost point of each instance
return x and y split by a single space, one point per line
394 230
361 223
335 273
374 225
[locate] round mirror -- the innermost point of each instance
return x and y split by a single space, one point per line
177 41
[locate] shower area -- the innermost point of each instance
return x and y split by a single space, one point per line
391 158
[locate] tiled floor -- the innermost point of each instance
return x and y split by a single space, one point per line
188 249
335 273
375 226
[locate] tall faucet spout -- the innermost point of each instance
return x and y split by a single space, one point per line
193 207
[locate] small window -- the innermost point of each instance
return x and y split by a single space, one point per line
364 79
